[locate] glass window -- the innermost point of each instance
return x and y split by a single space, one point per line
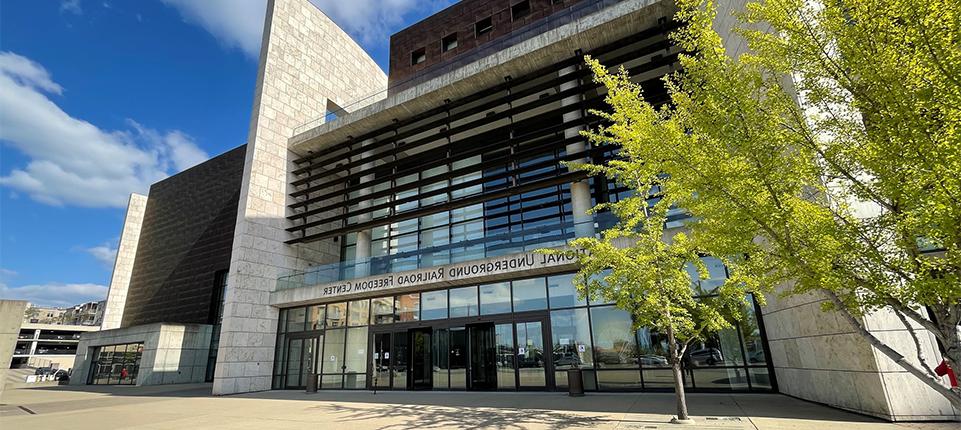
751 334
336 315
760 378
716 272
315 317
562 293
721 348
599 299
295 319
463 302
652 348
407 307
333 360
434 305
529 294
282 326
614 344
495 298
730 378
613 380
571 336
382 310
359 313
356 359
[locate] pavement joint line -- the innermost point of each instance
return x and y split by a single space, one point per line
743 412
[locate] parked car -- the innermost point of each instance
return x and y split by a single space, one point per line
654 360
708 356
62 375
43 371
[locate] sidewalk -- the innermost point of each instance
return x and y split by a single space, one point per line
191 406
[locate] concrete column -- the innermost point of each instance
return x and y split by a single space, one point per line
362 249
580 190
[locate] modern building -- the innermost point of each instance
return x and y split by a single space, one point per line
378 231
48 345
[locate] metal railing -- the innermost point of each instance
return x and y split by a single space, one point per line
486 246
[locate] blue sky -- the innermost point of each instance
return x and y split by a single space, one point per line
99 99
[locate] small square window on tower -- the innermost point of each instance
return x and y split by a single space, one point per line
520 10
449 42
483 26
418 56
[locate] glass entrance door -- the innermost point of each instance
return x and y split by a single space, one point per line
531 357
301 355
483 358
420 362
380 362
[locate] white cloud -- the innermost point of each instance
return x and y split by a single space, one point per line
105 254
55 294
72 6
7 273
71 160
239 23
235 23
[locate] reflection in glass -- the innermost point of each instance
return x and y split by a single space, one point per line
434 305
751 333
336 315
398 358
619 379
731 378
530 354
359 310
458 358
407 307
315 317
529 294
439 358
356 359
382 310
333 360
504 340
652 348
562 293
571 338
495 298
463 302
614 344
295 319
760 378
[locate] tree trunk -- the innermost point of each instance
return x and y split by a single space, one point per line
953 396
682 415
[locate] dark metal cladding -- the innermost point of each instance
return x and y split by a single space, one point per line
186 238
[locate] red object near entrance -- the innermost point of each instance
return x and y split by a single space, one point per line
944 369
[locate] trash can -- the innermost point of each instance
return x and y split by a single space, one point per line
575 384
311 382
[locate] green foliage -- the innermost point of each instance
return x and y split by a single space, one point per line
817 148
833 193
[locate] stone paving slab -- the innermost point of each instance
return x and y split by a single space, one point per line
192 407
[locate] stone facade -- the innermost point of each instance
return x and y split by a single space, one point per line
306 61
172 354
11 315
123 266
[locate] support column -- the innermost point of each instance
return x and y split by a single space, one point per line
362 248
580 190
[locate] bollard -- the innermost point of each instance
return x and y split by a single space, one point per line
575 383
311 382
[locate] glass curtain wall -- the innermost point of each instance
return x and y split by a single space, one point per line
116 364
593 336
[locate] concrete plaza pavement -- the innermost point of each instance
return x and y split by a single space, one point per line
192 407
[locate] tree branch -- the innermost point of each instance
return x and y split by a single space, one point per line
953 397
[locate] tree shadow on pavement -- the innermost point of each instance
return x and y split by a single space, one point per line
434 417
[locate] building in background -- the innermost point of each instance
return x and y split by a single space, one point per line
44 315
378 231
48 345
90 313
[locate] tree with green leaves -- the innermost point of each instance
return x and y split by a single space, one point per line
824 159
642 268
